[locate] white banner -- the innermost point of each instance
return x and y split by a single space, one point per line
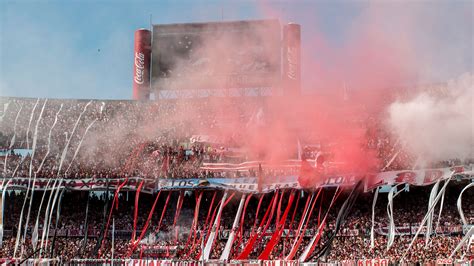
247 184
21 183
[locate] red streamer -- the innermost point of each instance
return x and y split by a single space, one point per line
163 213
240 229
323 223
206 224
300 233
141 253
254 237
287 240
252 232
279 207
135 214
306 206
207 228
320 207
218 222
278 230
129 164
294 214
176 215
192 231
254 227
145 227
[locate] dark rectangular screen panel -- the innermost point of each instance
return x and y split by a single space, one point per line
242 54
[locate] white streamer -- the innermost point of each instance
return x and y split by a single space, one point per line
429 222
63 155
65 174
235 226
394 156
35 230
53 187
426 216
29 124
34 236
459 204
4 189
12 141
467 238
49 211
35 135
5 108
60 166
391 228
374 202
440 211
468 246
210 241
48 149
78 147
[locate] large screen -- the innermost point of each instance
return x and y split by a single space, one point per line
242 54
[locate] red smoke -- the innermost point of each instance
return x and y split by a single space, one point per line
343 87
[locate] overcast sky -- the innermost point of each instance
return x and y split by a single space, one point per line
84 49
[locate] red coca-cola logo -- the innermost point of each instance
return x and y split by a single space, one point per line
139 68
292 60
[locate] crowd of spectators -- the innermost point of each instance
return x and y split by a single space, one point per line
111 139
165 139
147 132
351 242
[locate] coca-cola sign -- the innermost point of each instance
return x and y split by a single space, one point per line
292 61
139 68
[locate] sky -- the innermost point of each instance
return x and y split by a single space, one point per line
84 49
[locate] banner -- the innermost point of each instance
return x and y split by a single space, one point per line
84 184
247 184
423 177
157 262
250 184
411 230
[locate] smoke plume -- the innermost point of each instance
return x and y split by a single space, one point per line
437 124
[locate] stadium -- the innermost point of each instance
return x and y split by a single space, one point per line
221 158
